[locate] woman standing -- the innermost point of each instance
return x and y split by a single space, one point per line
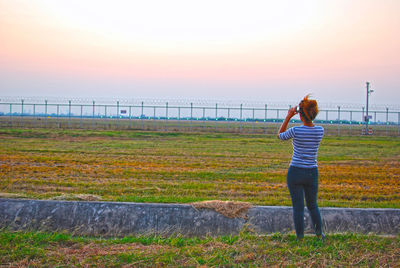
302 176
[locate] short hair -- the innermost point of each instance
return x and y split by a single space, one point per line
308 108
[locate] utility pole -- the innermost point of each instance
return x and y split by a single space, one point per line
366 119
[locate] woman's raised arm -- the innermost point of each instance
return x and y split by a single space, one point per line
291 112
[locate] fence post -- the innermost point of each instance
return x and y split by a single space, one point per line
327 122
154 118
22 112
351 122
166 116
105 116
265 118
69 114
58 115
253 122
204 117
241 109
216 116
117 122
34 112
362 120
387 120
375 122
93 115
141 117
11 119
81 116
191 115
228 119
45 112
339 120
179 118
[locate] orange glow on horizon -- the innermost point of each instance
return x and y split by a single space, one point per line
235 42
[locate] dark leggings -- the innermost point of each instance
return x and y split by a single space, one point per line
304 182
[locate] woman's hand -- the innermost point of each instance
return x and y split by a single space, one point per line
291 112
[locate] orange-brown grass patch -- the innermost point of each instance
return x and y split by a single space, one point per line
358 182
88 254
94 249
84 197
11 195
230 209
171 167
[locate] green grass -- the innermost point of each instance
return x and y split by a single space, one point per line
172 167
246 249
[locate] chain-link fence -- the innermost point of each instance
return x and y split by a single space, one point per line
189 117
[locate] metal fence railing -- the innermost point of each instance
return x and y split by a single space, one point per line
188 118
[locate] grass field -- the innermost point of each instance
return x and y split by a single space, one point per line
144 166
185 125
22 249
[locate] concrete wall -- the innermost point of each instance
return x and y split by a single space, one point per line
120 219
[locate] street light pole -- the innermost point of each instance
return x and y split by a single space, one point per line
366 119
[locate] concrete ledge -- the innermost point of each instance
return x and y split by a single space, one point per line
120 219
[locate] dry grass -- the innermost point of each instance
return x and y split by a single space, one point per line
82 197
186 168
230 209
11 195
58 250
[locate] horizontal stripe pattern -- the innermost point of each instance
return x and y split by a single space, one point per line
306 141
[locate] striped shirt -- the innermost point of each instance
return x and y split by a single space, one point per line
306 141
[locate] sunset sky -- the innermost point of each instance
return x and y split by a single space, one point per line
218 49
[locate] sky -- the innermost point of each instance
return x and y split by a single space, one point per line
225 49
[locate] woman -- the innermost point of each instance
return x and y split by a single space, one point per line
302 176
